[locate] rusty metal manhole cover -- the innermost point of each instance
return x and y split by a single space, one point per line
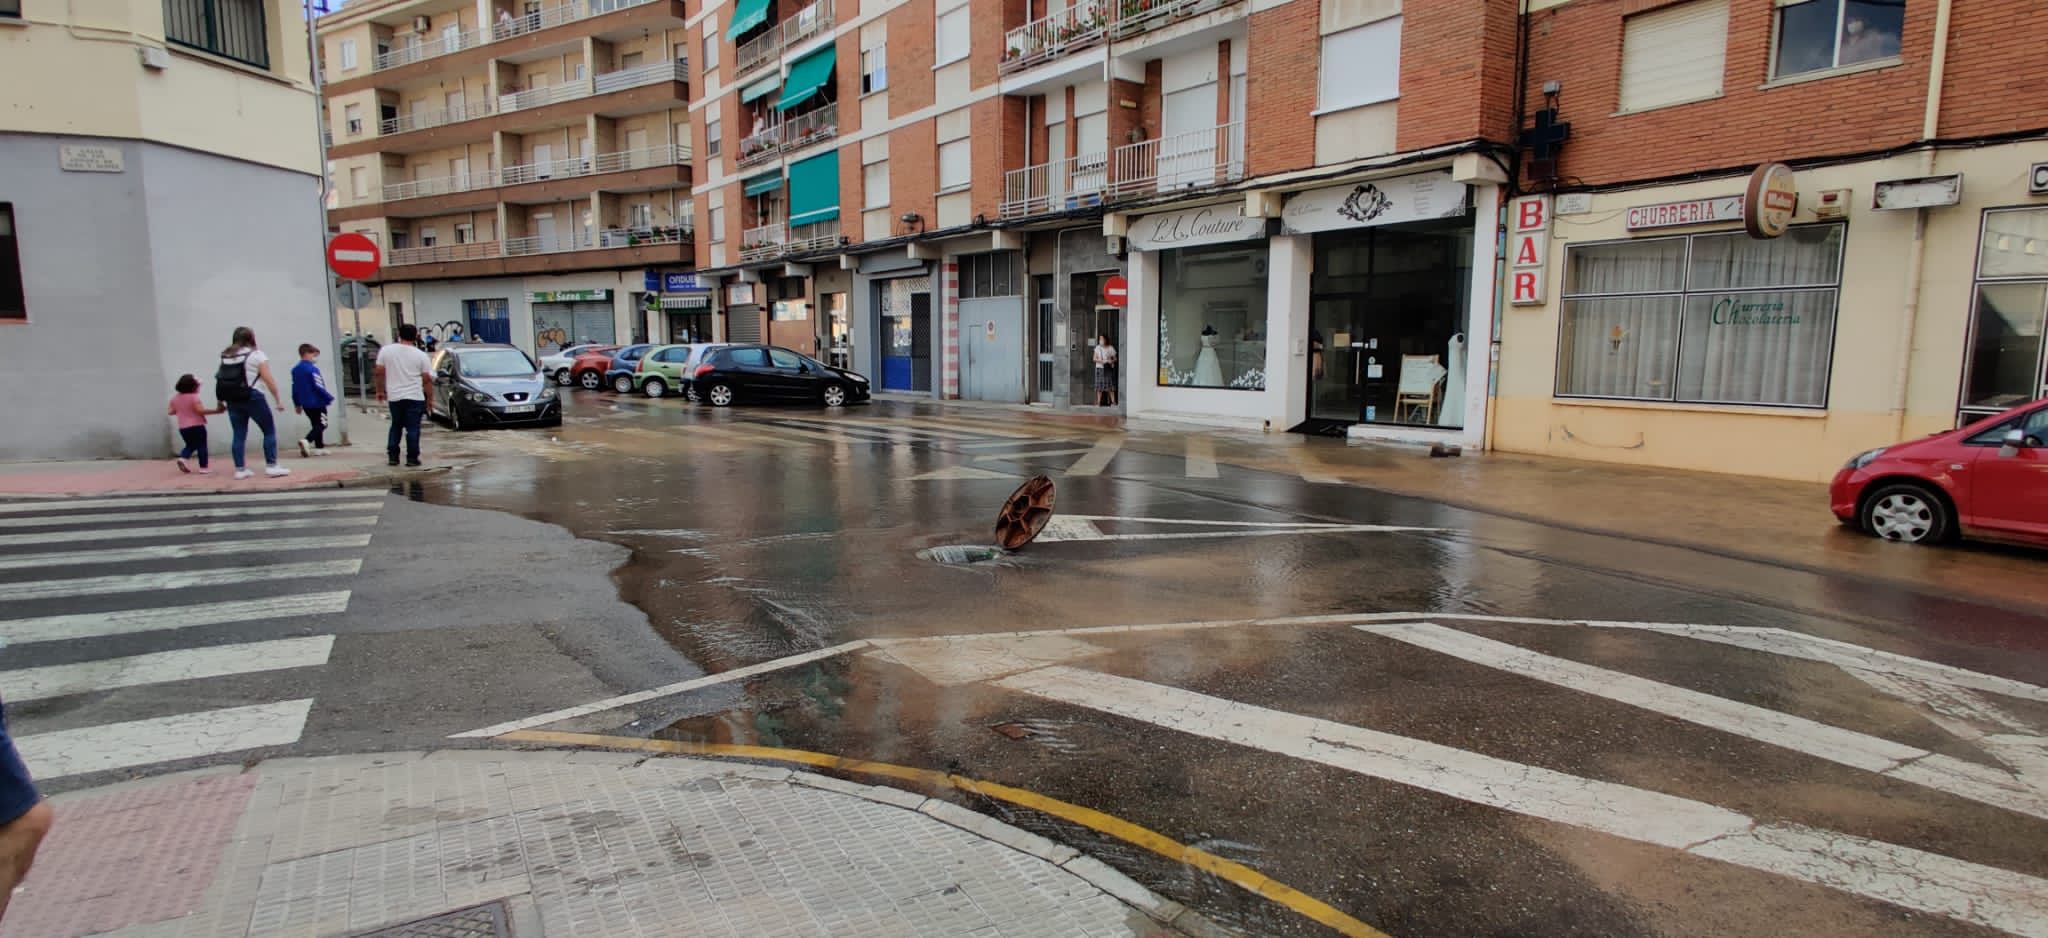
483 921
1024 513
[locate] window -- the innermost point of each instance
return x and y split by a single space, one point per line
2033 423
874 69
10 8
710 45
1212 317
712 137
784 358
359 183
451 37
465 234
746 358
999 273
717 223
632 60
348 55
1708 319
2004 354
1674 54
231 29
951 38
1817 35
641 215
874 184
1361 66
400 239
13 304
429 237
956 170
352 118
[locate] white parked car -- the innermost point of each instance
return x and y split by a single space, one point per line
556 366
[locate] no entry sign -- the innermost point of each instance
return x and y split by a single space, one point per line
354 257
1116 291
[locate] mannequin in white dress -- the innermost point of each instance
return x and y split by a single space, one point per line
1452 412
1208 368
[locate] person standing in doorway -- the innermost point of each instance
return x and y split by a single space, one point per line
405 380
311 397
1105 372
242 367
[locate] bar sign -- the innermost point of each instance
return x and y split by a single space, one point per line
1528 247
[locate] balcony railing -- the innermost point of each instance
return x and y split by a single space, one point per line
814 237
437 46
550 17
1073 182
759 146
548 244
439 185
443 253
808 22
1049 37
636 77
756 52
642 235
766 241
644 158
544 95
1182 161
811 127
422 120
1138 16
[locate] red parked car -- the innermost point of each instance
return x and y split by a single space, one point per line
1987 480
588 369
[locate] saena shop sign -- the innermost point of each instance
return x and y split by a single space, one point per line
1748 311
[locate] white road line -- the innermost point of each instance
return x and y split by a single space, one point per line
916 426
1309 467
1841 746
1913 879
1021 446
1201 457
163 739
869 434
125 517
179 551
791 433
976 426
184 579
163 618
155 501
627 700
184 664
1098 457
183 530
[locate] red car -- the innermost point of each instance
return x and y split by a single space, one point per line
588 369
1987 480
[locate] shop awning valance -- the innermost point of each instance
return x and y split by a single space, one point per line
746 15
760 88
814 189
766 182
807 77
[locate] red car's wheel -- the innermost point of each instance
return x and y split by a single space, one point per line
1909 513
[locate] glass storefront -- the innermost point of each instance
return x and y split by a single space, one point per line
1212 317
2006 365
1388 317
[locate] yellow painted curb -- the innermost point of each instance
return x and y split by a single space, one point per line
1238 874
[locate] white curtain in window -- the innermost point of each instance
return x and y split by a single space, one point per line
1803 257
1621 347
1627 267
1758 348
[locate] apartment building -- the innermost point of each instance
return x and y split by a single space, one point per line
1907 295
526 166
142 218
1278 212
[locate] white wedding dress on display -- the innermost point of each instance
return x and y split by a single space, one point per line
1452 412
1208 369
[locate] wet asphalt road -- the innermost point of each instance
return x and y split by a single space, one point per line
1533 775
761 533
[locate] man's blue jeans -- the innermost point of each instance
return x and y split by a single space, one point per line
405 418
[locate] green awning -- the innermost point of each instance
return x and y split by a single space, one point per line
806 78
814 189
746 15
766 182
760 88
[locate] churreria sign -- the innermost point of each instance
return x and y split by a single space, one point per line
1736 311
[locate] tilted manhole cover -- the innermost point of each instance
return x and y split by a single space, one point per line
484 921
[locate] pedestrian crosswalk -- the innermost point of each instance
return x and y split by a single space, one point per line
107 602
1074 454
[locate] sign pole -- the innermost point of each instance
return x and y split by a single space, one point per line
362 377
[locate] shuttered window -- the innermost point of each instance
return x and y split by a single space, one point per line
230 28
1674 54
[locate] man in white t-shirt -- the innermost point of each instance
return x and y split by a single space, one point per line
405 379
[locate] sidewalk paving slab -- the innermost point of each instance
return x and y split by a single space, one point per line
572 845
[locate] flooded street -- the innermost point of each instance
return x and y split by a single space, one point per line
1427 719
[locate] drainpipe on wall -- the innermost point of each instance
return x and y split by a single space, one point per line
1916 260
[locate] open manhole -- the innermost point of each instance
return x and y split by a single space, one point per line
959 554
483 921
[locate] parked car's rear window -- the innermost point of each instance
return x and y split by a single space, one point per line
747 357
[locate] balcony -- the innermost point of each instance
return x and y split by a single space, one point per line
803 130
439 185
821 236
767 48
1089 22
637 77
422 120
1057 186
442 253
609 238
421 51
767 241
507 28
638 235
759 146
1210 157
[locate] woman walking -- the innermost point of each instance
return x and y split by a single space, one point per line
242 365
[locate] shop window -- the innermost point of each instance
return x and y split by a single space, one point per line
1673 54
1706 319
1361 66
990 275
2006 362
1818 35
1212 317
13 304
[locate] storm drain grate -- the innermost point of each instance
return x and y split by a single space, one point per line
483 921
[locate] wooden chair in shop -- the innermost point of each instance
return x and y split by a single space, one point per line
1421 388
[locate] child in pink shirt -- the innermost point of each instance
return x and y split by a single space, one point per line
191 414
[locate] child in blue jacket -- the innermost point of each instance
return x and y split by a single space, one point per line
311 397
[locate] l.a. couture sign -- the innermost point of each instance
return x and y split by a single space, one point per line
1213 224
1376 202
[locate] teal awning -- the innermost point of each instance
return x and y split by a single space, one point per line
760 88
746 15
806 78
814 189
766 182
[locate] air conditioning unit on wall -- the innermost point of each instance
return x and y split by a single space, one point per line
420 24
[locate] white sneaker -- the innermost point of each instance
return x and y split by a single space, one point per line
305 450
319 450
276 471
241 474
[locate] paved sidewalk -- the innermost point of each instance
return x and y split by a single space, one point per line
556 844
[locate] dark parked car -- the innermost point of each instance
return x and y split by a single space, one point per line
771 373
625 361
491 385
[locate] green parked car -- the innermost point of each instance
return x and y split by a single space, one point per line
662 369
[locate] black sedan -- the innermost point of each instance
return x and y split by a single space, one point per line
771 373
488 385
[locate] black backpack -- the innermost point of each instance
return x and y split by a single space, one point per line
231 382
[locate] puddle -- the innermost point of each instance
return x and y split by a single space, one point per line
961 554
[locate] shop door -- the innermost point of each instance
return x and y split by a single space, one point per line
1045 333
743 324
904 317
489 321
1387 315
992 349
1091 319
593 322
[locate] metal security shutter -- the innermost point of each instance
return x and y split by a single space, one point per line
743 324
593 322
1674 54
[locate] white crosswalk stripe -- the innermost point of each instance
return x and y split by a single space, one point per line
286 556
